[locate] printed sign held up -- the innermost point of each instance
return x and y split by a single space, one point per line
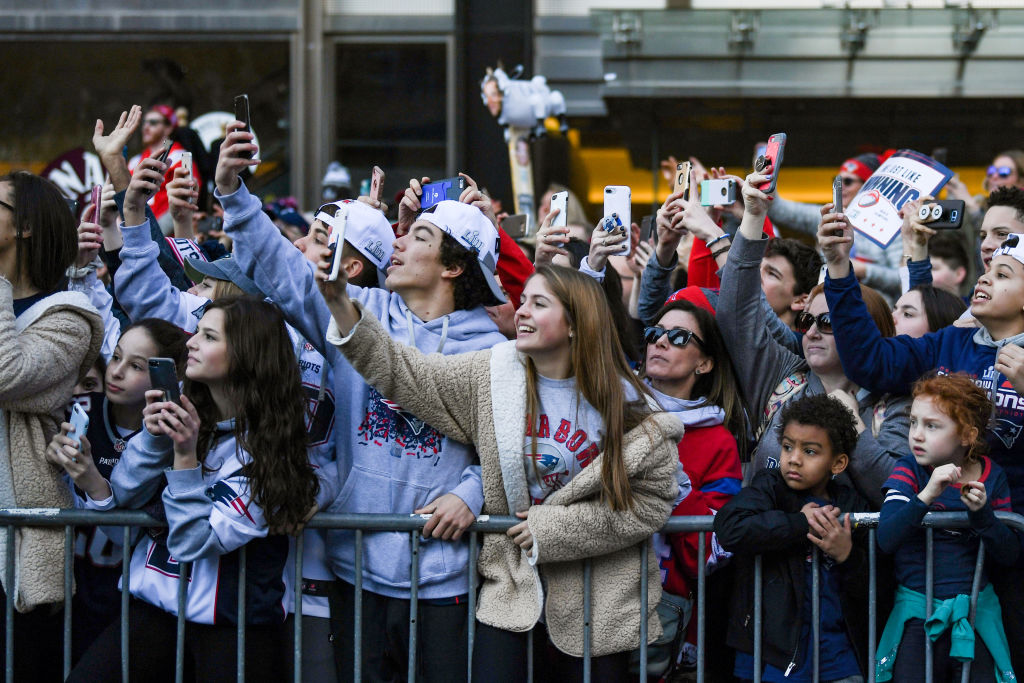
901 178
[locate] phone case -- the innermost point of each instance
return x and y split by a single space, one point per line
79 423
96 198
242 114
186 162
515 226
774 154
560 201
944 214
617 201
377 183
337 241
163 376
165 151
717 192
837 194
449 188
682 179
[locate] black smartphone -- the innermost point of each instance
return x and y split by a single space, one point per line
242 114
837 194
164 151
449 188
943 214
164 376
646 227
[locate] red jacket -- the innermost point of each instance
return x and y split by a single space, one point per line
712 461
159 202
513 268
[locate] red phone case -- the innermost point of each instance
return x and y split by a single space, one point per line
776 147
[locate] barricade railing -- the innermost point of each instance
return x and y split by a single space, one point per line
13 518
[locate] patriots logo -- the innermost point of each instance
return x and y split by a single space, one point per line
1006 431
386 422
222 493
198 313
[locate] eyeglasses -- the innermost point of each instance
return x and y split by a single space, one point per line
5 204
847 180
1001 171
804 320
154 122
677 336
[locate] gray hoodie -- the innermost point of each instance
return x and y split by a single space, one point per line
388 461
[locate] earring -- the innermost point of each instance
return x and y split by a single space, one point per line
570 334
696 372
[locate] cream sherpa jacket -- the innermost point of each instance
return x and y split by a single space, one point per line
480 398
43 353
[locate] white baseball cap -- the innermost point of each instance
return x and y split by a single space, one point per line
1012 246
366 229
473 231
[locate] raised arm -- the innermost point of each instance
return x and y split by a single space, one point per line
759 360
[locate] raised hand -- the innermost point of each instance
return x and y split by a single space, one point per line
235 153
90 238
146 181
409 207
112 144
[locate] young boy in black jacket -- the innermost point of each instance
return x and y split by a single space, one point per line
782 515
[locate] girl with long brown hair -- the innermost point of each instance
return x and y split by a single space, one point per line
233 457
568 442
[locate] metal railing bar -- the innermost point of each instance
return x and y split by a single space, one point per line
471 608
184 569
9 609
929 594
758 598
872 604
815 614
979 568
587 597
126 578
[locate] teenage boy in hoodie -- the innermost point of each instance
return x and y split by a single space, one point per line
991 354
441 274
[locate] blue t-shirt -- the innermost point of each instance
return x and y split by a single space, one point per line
836 659
956 550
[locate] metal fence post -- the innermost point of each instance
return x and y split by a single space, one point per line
929 590
184 569
471 608
9 615
414 584
297 644
702 587
643 608
979 566
240 619
586 620
69 572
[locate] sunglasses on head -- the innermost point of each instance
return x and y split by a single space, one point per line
1001 171
677 336
804 320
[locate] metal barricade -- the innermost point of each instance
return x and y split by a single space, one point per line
413 524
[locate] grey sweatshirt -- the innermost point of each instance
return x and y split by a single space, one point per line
763 366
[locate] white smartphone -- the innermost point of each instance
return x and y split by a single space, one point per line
560 201
618 203
79 423
186 161
337 239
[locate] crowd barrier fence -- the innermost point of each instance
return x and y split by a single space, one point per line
12 518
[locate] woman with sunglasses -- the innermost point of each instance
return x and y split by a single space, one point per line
50 339
688 370
770 376
1006 170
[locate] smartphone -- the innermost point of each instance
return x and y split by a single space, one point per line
336 241
717 192
944 214
617 206
163 376
186 162
837 194
515 225
449 188
772 156
377 184
79 423
96 198
164 151
560 201
646 227
242 114
682 182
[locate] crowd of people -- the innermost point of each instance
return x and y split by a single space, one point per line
434 365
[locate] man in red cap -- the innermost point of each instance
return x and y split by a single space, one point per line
158 124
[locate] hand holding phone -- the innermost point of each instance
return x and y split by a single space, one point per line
449 188
772 157
837 194
617 210
682 181
242 114
560 201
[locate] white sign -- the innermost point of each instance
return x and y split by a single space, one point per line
903 177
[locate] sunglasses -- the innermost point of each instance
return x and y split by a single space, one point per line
847 180
1001 171
154 122
804 320
677 336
